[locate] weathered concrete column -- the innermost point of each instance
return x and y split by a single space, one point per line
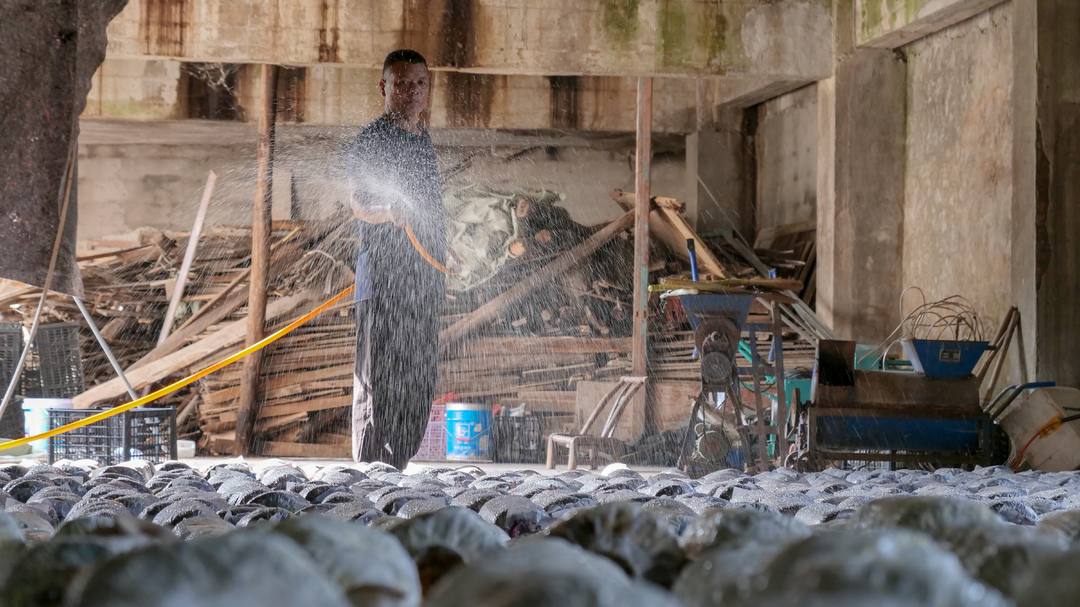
1046 194
720 175
860 193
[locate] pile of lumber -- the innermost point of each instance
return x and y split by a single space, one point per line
128 292
555 315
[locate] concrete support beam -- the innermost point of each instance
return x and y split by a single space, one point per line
1046 203
739 93
894 23
860 195
776 39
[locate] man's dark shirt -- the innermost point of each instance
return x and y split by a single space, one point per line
391 163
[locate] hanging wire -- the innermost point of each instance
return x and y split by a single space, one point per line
949 319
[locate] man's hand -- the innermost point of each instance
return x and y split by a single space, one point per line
371 212
379 215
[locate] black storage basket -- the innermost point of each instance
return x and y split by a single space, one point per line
11 344
147 434
518 440
59 360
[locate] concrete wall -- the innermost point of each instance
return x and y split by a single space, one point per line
786 151
151 174
958 188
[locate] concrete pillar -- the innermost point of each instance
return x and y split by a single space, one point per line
1046 199
861 157
720 175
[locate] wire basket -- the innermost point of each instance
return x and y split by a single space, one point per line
59 360
433 446
146 434
517 440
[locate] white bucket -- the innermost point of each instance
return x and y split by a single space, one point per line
36 412
185 449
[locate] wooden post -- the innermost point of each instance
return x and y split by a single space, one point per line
782 410
642 182
247 410
759 408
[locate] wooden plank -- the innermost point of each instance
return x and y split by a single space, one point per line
708 260
658 227
543 345
280 449
225 337
766 237
550 401
307 406
307 378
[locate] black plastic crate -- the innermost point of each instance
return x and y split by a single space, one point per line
517 440
11 344
13 422
148 434
59 360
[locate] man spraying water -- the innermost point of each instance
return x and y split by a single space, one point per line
396 195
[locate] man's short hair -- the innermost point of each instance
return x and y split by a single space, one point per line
402 56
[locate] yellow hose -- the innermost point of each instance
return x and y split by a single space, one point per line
266 341
269 339
423 253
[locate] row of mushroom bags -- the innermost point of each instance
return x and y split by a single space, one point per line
271 533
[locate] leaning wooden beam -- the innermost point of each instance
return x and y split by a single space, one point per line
669 226
559 265
228 335
189 256
708 260
658 226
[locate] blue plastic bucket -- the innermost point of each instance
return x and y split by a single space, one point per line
36 417
468 432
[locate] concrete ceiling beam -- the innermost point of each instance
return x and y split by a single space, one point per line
895 23
775 39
